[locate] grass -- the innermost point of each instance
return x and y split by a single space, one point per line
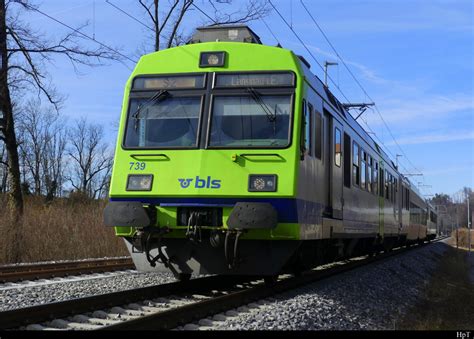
461 238
448 301
60 230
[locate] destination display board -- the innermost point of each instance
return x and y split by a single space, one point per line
255 80
169 82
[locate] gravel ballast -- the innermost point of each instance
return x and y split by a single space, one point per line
12 298
371 297
368 298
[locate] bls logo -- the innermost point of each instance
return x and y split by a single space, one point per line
185 182
200 183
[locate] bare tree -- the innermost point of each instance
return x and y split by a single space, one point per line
32 128
101 183
53 160
24 53
3 169
167 17
42 142
90 157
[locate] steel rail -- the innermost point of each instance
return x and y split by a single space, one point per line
41 313
175 317
13 273
186 314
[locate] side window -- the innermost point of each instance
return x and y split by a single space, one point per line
369 173
395 190
376 178
381 183
303 136
319 135
387 185
408 199
307 129
347 160
363 170
355 165
392 188
337 147
403 197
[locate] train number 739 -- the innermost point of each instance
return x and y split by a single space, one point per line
138 166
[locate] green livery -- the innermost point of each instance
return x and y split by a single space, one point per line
215 163
232 157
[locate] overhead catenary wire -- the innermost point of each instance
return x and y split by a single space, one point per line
380 141
342 93
270 30
83 35
129 15
205 14
388 151
315 59
358 82
305 47
145 25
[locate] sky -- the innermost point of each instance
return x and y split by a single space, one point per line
414 59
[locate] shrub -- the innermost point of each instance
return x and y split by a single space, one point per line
62 229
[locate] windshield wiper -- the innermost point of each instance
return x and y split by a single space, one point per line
157 97
258 99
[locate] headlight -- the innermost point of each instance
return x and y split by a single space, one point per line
262 183
139 182
212 59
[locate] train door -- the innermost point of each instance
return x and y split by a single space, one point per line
336 165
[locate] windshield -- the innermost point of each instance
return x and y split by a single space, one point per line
250 121
163 121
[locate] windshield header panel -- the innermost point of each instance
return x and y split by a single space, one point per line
172 82
256 80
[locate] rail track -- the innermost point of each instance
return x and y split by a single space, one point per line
170 305
15 273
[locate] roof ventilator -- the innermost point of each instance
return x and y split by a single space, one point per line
229 33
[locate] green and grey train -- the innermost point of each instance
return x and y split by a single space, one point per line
234 158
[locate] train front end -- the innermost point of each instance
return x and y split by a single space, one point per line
206 159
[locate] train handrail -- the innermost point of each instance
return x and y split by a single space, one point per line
272 156
162 155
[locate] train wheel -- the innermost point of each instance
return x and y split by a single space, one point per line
183 276
297 272
270 279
